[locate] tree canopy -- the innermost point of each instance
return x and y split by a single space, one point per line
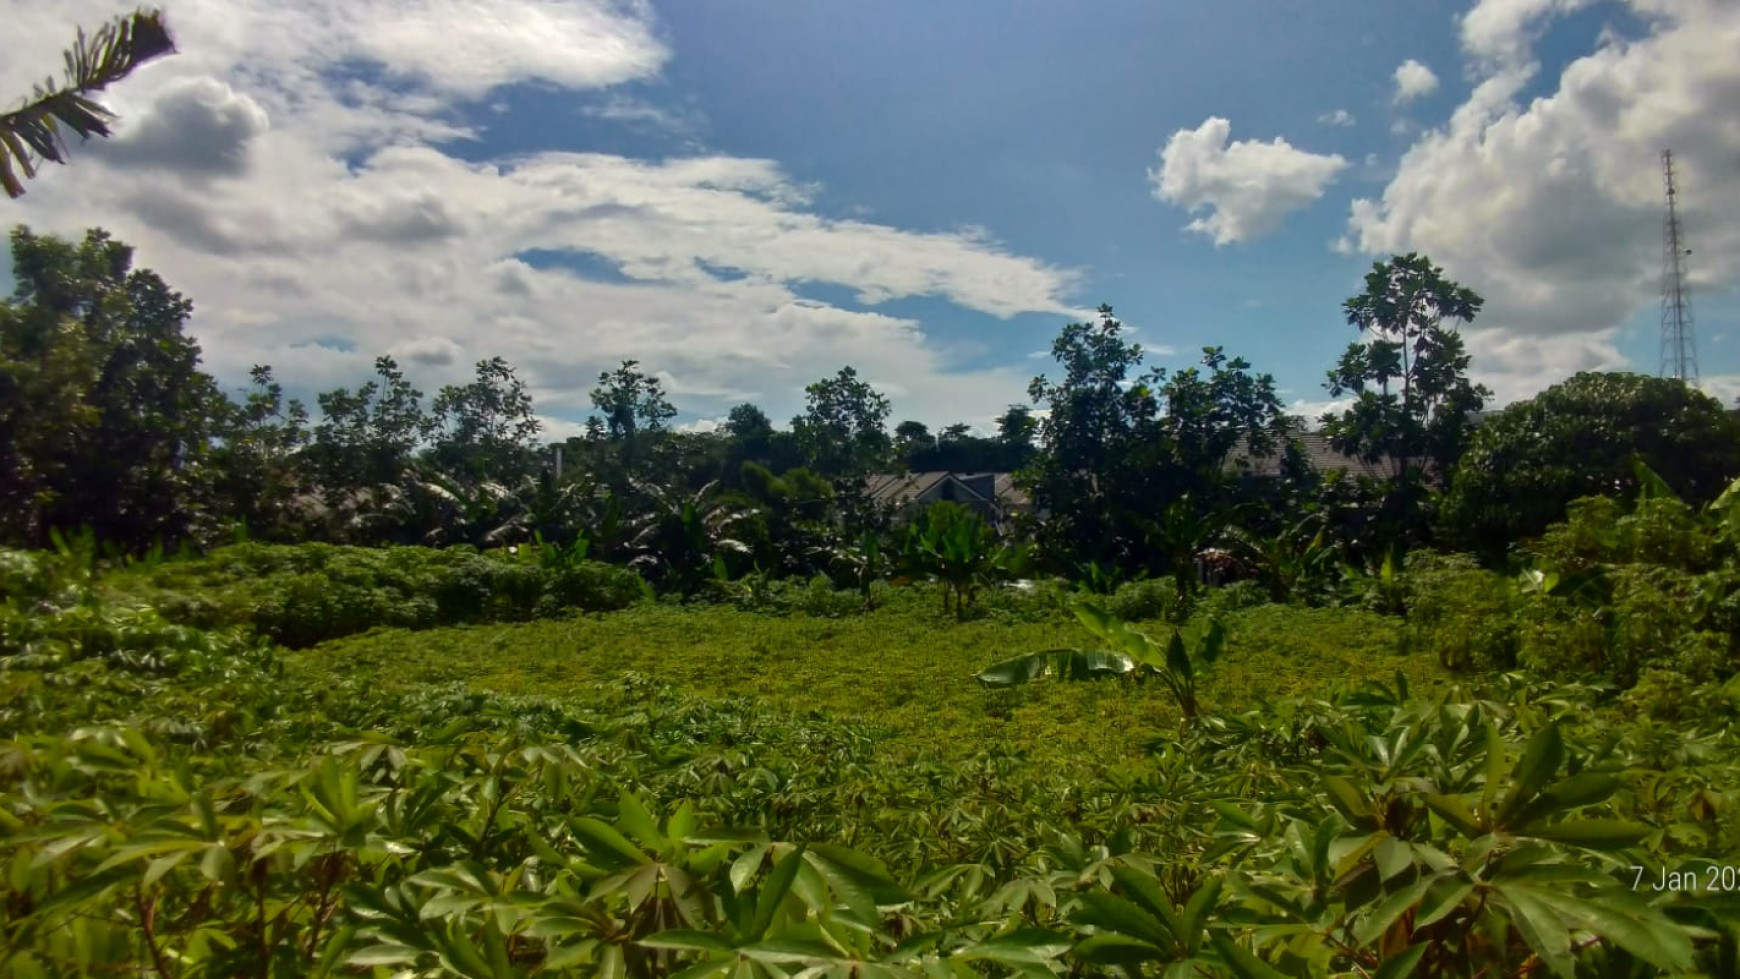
1527 462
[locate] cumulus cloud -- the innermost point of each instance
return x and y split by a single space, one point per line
1503 31
428 351
197 126
1414 80
1552 210
1248 186
345 214
1340 117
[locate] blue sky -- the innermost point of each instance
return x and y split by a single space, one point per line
747 196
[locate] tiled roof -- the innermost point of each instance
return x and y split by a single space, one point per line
1322 457
902 488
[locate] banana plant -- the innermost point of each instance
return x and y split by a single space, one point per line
958 548
862 562
1128 652
1294 559
678 539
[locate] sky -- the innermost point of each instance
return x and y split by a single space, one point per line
745 197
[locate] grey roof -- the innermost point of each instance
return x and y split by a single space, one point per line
1322 457
991 488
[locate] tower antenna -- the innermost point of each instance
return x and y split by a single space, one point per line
1679 354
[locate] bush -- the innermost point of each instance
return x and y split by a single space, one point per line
592 586
1599 531
1148 600
1465 613
1236 597
305 594
301 610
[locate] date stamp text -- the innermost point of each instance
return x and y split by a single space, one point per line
1712 879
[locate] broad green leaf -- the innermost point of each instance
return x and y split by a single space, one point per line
1541 759
745 867
1540 926
1066 664
686 940
1110 912
1596 834
1456 813
1109 948
1347 800
638 823
1177 659
1638 928
1239 959
1443 897
1391 909
1196 913
1402 966
1392 856
602 840
774 890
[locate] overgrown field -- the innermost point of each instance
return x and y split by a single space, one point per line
786 782
905 672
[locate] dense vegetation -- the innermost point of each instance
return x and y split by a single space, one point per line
384 689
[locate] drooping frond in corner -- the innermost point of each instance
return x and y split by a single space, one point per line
95 62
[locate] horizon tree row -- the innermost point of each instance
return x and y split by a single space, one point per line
108 422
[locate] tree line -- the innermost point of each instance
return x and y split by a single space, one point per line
108 422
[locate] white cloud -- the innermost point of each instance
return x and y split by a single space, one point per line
1499 32
1723 387
1249 186
1314 410
198 127
701 426
1414 80
1552 210
1340 117
313 199
640 113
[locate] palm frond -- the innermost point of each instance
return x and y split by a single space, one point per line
94 63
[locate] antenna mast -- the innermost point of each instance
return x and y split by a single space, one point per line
1679 355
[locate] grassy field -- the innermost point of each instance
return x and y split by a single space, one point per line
905 671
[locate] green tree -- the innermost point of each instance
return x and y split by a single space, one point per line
105 417
911 438
1119 448
633 402
1527 462
1017 428
636 417
368 437
1083 477
257 465
92 64
843 431
486 429
1413 402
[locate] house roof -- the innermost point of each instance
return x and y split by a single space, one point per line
1321 456
902 488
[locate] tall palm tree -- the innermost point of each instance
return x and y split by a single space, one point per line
93 63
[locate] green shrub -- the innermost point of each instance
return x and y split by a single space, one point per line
1562 639
1597 530
821 600
301 610
21 575
1236 597
593 586
1149 600
1464 613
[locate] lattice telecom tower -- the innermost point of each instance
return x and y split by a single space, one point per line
1679 355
